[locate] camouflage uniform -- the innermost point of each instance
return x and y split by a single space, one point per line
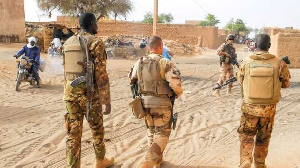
257 120
158 120
76 106
226 68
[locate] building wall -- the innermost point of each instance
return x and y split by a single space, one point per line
12 18
187 34
286 42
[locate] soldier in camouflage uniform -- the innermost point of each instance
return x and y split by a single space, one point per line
226 65
258 109
75 97
156 78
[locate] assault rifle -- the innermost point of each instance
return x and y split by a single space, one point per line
89 75
233 79
286 59
233 56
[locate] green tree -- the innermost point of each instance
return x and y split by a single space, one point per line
210 20
237 26
76 7
148 18
162 18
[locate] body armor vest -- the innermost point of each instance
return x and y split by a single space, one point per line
261 84
151 85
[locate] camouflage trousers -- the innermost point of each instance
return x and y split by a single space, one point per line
158 122
249 127
226 69
76 106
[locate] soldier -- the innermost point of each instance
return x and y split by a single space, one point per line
77 50
226 64
261 75
156 78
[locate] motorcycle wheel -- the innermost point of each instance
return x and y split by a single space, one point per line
18 82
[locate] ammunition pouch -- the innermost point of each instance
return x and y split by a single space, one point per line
224 59
137 108
150 101
78 81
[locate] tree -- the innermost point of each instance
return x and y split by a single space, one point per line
237 26
121 7
165 18
210 20
162 18
148 18
76 7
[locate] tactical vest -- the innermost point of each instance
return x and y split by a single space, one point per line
261 84
151 85
72 54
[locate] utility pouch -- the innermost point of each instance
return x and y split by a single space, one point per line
261 81
137 108
224 59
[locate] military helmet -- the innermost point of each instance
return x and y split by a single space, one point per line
230 37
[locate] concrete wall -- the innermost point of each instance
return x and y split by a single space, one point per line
12 19
286 42
187 34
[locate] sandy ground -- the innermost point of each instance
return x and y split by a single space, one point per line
32 133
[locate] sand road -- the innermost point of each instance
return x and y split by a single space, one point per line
32 133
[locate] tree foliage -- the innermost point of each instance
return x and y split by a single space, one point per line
237 26
121 7
210 20
162 18
98 7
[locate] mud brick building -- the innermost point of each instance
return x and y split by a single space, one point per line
12 19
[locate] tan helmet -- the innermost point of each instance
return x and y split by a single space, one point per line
230 37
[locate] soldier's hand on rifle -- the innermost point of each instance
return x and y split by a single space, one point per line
107 109
83 64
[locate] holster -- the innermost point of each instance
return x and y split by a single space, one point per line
137 108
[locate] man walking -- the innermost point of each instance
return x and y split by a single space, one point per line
262 75
85 59
157 79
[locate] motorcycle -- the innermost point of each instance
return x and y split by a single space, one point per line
124 44
25 73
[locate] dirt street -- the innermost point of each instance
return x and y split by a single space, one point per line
32 132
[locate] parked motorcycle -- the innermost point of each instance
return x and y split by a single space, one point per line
25 73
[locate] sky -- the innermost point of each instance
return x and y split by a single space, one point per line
255 13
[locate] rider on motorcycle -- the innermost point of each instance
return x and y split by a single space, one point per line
32 52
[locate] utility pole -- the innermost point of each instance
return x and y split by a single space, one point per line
155 16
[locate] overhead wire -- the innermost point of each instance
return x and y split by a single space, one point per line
201 7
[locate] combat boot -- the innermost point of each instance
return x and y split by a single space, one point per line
106 162
229 93
217 93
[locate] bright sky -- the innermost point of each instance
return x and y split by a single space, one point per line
255 13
